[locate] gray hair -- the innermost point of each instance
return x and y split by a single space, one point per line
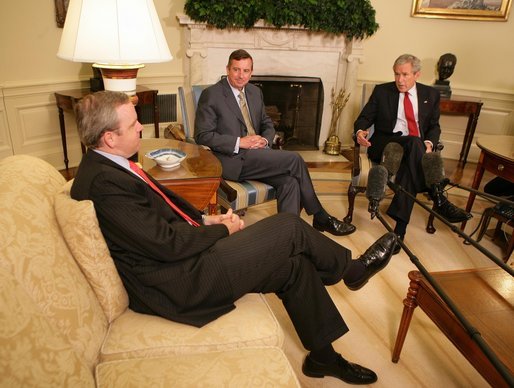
96 114
408 58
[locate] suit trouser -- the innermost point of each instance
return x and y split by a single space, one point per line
287 172
410 176
284 255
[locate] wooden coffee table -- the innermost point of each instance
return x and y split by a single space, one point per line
196 179
485 297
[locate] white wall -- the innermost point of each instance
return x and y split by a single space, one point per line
30 71
485 62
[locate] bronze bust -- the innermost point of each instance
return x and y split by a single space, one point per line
445 68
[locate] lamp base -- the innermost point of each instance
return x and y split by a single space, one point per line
119 78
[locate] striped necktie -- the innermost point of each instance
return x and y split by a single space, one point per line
246 114
134 167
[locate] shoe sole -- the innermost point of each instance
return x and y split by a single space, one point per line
320 375
321 229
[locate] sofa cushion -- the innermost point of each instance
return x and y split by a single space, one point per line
32 352
33 250
137 335
250 367
79 225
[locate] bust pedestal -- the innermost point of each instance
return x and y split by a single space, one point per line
443 87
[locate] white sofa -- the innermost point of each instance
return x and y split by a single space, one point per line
64 316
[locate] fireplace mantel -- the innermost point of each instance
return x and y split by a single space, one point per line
289 51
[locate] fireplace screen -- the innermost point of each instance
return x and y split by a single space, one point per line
295 104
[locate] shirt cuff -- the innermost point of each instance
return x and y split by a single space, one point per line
236 148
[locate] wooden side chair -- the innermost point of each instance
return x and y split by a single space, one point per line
362 164
237 196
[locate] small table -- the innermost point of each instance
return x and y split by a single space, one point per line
497 157
196 179
470 107
485 297
67 99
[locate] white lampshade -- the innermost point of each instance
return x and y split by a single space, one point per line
113 34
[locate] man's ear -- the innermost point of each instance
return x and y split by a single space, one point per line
108 139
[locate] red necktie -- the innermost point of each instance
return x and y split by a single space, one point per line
409 115
134 167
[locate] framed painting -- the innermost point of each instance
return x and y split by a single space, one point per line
462 9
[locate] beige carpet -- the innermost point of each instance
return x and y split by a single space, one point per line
373 313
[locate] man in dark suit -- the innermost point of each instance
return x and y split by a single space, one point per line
388 112
242 144
190 268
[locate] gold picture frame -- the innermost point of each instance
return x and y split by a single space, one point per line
493 10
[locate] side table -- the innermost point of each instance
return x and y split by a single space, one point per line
485 297
196 179
497 157
67 99
459 105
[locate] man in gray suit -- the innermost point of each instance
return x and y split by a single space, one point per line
190 268
231 120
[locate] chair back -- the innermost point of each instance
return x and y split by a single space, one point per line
188 103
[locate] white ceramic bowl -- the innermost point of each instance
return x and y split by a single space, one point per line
167 158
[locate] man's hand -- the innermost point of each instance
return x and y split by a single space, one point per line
361 138
229 219
253 142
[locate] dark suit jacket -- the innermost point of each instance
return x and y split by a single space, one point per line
219 122
162 260
382 110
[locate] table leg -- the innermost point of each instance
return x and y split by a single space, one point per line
466 143
409 304
470 133
479 173
63 137
213 205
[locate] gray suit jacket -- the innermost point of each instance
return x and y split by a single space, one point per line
219 123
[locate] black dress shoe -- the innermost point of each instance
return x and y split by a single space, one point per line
375 259
452 213
334 226
348 372
397 246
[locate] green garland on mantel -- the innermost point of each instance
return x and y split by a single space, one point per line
353 18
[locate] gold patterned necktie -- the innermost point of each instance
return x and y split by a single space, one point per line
246 113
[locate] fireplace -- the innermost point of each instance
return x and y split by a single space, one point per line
325 62
295 105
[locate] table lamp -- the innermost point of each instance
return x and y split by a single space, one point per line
117 36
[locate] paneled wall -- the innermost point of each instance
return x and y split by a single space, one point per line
29 120
30 72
